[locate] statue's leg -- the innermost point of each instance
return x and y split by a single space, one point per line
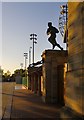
59 46
54 42
50 40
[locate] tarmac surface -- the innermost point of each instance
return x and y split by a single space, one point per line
23 103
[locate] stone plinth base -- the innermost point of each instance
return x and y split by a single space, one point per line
53 76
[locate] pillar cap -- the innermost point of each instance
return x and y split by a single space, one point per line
54 54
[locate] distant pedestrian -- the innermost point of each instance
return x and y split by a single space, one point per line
52 32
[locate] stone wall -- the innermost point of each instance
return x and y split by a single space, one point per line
34 79
74 96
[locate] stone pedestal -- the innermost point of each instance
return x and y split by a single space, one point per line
53 75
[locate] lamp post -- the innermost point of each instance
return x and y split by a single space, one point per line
64 11
63 19
26 56
33 37
30 55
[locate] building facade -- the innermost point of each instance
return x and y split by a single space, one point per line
74 95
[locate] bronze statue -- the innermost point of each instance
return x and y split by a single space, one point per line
52 32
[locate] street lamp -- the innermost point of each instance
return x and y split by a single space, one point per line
63 19
30 55
64 11
26 57
63 23
33 37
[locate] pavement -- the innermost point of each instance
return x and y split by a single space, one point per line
7 96
25 104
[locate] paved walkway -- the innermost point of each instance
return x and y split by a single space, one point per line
19 102
7 95
25 104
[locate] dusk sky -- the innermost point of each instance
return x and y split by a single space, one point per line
19 20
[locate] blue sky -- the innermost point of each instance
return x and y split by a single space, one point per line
19 20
